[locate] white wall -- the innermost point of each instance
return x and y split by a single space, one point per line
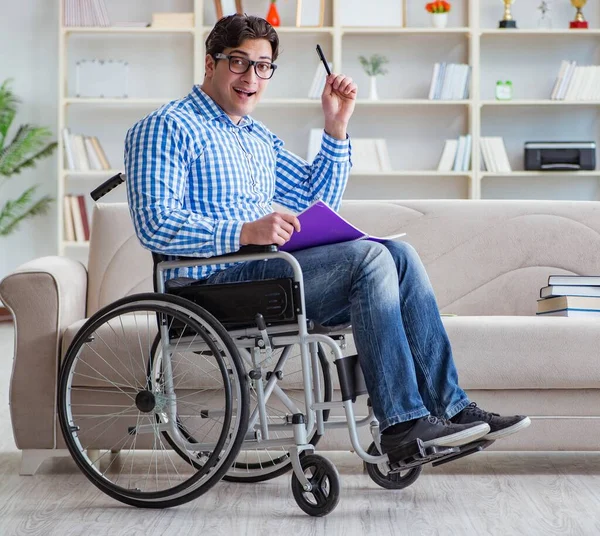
28 44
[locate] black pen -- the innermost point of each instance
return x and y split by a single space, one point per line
322 56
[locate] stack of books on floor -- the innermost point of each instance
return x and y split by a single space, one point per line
85 13
570 295
493 155
76 221
456 155
577 82
83 153
172 20
450 81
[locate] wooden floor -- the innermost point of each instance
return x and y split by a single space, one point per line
488 493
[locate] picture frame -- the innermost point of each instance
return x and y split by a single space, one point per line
310 13
228 7
388 13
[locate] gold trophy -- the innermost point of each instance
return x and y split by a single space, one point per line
508 21
579 22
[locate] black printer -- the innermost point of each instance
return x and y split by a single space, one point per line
560 155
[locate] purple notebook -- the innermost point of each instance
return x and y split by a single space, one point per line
321 226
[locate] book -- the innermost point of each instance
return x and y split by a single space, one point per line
84 217
321 226
448 155
100 152
576 280
77 220
568 290
364 155
571 312
68 219
559 303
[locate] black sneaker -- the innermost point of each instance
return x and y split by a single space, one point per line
435 432
499 426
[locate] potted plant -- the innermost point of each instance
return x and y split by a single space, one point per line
29 144
373 66
439 12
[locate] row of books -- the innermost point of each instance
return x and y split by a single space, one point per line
85 13
83 153
570 295
577 82
456 155
75 218
493 155
450 81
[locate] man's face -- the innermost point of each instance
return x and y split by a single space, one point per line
237 94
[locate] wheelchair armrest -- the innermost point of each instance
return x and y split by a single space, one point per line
244 250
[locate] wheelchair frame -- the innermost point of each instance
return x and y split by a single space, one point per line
255 346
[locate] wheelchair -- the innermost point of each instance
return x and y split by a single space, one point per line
163 394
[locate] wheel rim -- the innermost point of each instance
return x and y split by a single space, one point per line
106 364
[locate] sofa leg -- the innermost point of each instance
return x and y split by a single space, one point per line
31 459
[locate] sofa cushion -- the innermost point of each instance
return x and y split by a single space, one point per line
501 352
525 352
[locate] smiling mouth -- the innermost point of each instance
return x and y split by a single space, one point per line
244 92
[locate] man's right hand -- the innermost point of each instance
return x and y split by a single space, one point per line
276 228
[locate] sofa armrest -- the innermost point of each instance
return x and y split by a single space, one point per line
45 296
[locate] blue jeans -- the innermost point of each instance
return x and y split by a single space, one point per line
384 291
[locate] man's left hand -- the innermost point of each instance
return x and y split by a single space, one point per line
338 100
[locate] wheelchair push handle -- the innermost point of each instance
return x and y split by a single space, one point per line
107 186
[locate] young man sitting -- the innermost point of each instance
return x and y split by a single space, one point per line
202 176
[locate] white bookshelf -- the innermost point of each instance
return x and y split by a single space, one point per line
166 62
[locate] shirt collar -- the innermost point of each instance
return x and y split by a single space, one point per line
211 110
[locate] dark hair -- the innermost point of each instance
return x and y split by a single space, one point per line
233 30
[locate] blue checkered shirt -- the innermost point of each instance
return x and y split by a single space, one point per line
194 178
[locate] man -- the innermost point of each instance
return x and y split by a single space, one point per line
202 176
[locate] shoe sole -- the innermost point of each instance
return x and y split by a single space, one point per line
510 430
459 438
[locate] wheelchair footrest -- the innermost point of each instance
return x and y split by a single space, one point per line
415 454
465 450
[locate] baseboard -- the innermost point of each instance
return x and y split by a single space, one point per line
5 315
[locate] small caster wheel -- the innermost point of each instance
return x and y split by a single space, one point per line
393 480
325 481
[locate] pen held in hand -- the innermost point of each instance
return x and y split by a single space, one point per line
322 57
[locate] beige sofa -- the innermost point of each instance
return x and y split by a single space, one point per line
487 261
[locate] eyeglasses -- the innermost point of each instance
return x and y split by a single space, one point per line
240 65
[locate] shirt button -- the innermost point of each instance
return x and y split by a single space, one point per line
249 156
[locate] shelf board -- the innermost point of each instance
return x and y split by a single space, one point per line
293 29
412 102
289 102
75 244
534 31
543 102
357 30
122 30
409 173
92 173
115 102
492 175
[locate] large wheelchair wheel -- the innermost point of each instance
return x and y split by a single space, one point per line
114 415
260 464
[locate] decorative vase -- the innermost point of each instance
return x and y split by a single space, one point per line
439 20
273 15
373 89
